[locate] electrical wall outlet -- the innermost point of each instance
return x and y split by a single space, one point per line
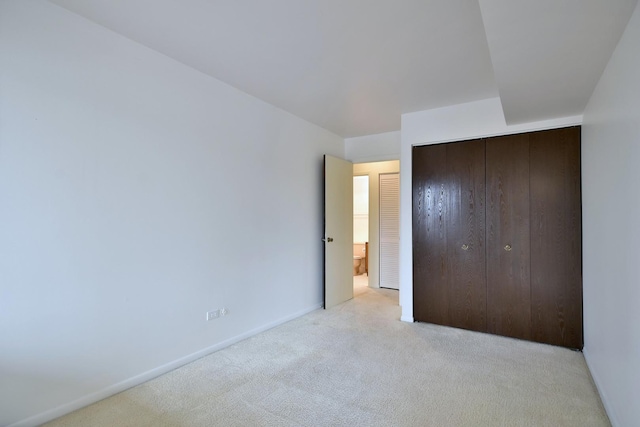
217 313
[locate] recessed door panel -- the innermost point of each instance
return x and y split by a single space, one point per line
465 218
556 248
448 227
430 266
508 242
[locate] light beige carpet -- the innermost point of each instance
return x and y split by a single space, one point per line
358 365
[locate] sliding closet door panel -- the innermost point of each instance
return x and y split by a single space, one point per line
508 243
430 266
556 247
465 216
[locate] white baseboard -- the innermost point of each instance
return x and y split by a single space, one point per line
601 392
67 408
408 319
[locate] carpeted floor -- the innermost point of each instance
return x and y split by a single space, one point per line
358 365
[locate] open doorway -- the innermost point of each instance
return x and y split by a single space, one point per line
360 233
382 256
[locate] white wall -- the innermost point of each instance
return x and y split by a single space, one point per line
458 122
135 195
360 209
611 230
373 148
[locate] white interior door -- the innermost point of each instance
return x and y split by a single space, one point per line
338 231
389 230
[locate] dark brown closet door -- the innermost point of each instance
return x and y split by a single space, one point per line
508 251
466 235
556 248
430 264
448 234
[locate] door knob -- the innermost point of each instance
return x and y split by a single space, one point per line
465 247
507 248
328 239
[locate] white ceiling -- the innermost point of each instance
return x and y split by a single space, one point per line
548 55
354 66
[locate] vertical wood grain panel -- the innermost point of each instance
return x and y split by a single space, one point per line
430 270
556 247
466 235
448 212
519 190
508 271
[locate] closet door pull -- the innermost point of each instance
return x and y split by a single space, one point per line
465 247
507 248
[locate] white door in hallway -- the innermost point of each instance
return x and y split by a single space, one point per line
338 231
389 230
